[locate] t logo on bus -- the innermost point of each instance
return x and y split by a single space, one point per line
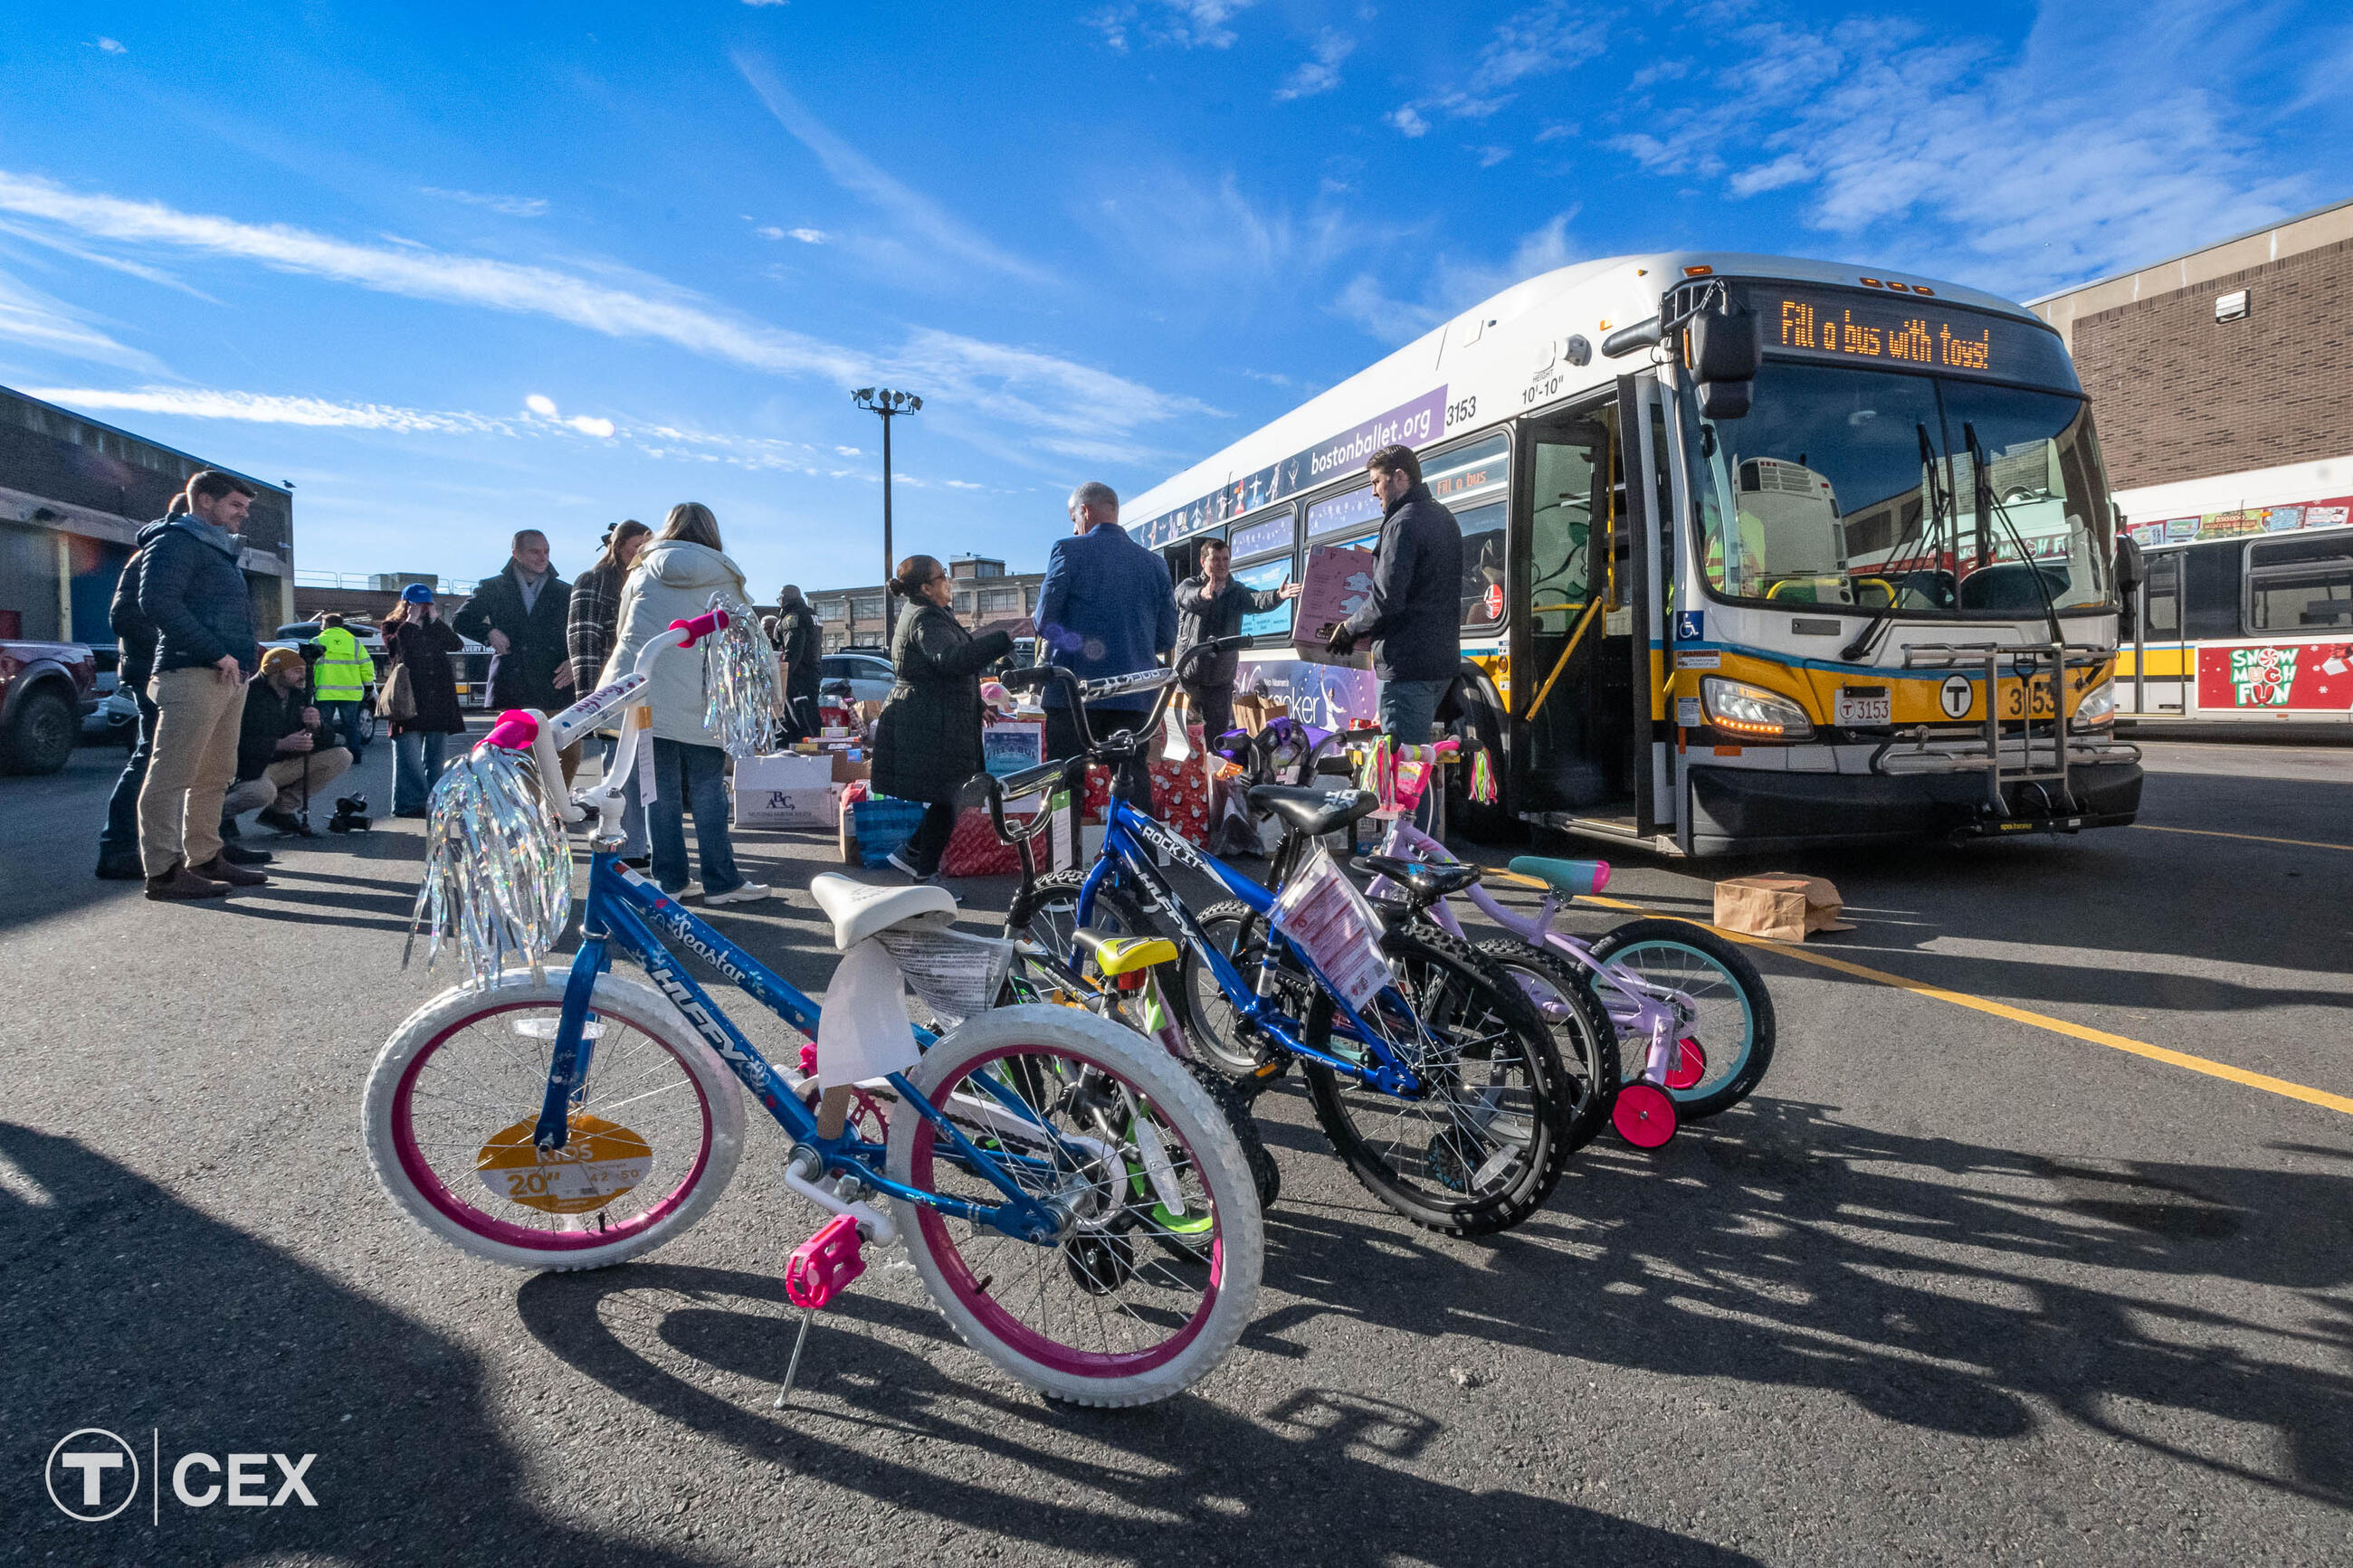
1957 696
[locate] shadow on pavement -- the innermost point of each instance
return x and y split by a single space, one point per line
127 1309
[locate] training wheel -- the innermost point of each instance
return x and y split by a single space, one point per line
1644 1115
1690 1066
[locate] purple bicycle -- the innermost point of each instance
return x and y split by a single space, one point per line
1688 1003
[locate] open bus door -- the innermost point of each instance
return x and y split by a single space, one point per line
1588 747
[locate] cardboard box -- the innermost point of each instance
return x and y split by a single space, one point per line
784 770
1337 583
849 765
816 809
1778 908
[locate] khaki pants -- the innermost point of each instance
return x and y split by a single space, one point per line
194 760
280 784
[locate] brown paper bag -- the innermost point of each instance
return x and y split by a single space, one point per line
1780 908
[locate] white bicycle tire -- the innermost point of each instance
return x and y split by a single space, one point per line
1163 1079
643 1009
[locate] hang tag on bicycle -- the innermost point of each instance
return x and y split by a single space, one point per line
955 973
1337 927
600 1160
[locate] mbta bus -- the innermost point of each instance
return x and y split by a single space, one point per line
1757 552
2245 615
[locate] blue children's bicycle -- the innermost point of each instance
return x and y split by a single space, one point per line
1069 1196
1441 1092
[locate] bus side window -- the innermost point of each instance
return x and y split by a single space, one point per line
2209 591
2164 597
2301 585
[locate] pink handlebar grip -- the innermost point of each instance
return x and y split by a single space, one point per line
514 731
702 626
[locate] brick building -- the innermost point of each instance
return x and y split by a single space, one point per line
987 598
74 494
2222 380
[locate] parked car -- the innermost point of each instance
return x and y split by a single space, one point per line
45 689
868 673
114 721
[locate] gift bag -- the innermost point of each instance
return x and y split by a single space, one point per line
1778 908
883 825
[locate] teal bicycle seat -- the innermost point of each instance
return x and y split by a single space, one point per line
1569 876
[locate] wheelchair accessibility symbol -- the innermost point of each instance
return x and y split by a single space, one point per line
1690 625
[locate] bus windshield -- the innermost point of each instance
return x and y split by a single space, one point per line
1919 495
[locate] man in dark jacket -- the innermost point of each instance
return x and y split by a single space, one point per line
1104 609
1415 613
1211 606
793 630
285 753
191 591
521 612
118 841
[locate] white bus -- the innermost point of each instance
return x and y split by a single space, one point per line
1859 586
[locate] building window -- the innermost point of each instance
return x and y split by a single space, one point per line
866 609
1001 601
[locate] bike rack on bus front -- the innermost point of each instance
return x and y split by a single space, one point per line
2013 758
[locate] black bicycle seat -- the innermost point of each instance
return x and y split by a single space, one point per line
1423 883
1312 810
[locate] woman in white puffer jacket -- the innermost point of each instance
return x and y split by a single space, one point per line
673 579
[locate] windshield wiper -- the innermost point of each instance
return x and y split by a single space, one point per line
1982 493
1866 643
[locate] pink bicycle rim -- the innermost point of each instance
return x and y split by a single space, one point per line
422 1177
1012 1331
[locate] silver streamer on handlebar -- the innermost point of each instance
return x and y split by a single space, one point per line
498 866
741 681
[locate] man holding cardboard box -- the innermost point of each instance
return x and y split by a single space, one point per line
1211 606
1415 612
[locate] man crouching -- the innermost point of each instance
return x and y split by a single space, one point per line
282 758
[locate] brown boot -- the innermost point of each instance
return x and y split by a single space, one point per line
218 869
179 882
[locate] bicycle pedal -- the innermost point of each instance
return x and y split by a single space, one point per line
822 1266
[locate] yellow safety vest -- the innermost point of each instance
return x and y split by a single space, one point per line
346 674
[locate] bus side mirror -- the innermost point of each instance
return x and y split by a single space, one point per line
1727 350
2132 567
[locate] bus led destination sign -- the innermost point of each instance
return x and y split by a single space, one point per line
1908 334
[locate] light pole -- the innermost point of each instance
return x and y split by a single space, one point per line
882 401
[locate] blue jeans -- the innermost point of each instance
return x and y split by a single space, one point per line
688 776
417 757
343 719
121 833
1409 707
633 811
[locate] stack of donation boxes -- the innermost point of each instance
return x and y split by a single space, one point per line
799 790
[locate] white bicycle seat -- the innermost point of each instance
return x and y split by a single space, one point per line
858 910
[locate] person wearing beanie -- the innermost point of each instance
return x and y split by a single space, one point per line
285 755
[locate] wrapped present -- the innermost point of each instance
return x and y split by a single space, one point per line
975 849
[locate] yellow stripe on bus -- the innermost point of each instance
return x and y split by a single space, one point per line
2265 1081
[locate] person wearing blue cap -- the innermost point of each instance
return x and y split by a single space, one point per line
420 643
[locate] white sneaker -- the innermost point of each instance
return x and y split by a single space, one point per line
905 866
746 893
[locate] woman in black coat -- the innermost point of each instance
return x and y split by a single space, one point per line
927 739
416 636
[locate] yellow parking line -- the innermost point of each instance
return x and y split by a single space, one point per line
2263 1081
2249 837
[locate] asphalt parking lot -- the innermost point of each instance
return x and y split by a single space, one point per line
2026 1250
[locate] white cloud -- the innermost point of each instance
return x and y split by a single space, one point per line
963 484
855 172
589 424
809 236
849 452
1216 237
258 408
109 46
1533 42
2047 172
1185 23
512 206
1453 284
769 231
539 402
1490 156
1057 399
767 2
1320 73
33 319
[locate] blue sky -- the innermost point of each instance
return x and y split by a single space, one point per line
455 270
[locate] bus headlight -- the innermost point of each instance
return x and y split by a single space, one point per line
1752 713
2098 706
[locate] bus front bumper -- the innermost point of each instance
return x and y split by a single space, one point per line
1741 811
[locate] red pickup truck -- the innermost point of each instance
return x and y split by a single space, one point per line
45 689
